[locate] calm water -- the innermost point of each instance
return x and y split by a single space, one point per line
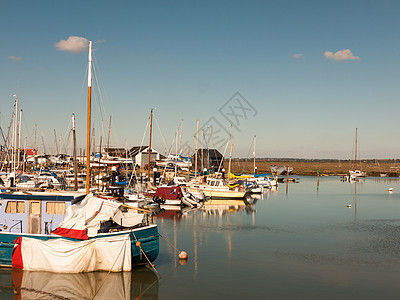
304 244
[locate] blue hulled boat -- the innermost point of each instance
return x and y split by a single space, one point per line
37 214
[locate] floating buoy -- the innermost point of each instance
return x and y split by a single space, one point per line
183 255
349 205
138 244
390 189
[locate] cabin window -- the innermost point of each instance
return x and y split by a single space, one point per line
35 208
55 208
15 207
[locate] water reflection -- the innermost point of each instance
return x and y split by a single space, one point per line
141 282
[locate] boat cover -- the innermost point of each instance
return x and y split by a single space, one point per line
111 253
92 285
82 220
169 192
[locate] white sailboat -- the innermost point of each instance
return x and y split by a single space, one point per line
356 173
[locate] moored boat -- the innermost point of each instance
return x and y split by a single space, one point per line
216 188
38 215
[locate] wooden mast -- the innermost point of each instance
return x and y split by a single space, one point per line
74 154
151 127
89 106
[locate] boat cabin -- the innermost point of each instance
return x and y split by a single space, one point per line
34 212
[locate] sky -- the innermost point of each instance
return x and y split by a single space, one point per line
301 76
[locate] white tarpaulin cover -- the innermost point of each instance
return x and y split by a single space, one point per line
82 220
66 256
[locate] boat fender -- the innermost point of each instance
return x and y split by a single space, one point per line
183 255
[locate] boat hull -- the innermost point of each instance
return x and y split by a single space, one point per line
214 194
147 236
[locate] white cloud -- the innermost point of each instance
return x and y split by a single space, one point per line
344 54
297 56
15 58
73 44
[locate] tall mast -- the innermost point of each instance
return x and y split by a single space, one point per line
151 127
230 154
34 146
355 154
197 149
15 132
19 137
55 143
93 140
254 154
89 106
208 147
180 142
24 162
74 154
108 140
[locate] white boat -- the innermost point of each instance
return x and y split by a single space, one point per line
356 173
173 161
281 170
216 188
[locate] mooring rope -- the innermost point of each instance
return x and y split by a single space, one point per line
169 243
139 244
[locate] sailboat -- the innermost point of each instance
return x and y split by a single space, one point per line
214 187
74 231
356 173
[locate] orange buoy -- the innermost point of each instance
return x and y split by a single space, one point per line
183 255
138 244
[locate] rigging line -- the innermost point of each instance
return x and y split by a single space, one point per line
244 165
208 150
6 143
170 151
140 147
165 144
99 102
108 103
223 156
102 84
78 104
67 134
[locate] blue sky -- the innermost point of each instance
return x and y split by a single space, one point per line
310 72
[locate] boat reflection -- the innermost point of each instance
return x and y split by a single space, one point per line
212 206
141 282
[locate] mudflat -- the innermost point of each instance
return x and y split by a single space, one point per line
325 167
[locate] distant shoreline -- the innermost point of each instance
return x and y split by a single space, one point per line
324 166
